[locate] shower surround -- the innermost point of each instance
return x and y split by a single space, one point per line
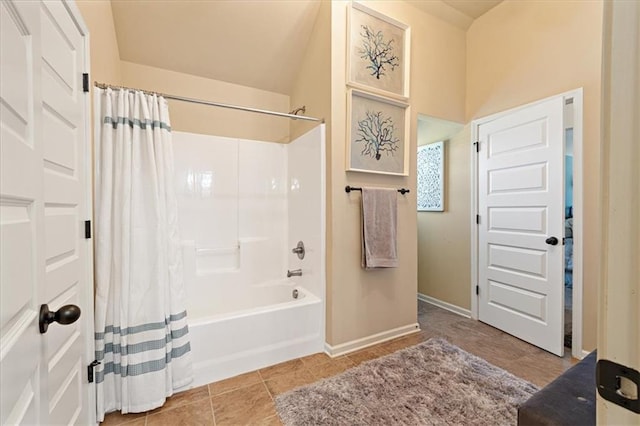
243 206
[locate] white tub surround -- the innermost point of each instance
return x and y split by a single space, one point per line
243 206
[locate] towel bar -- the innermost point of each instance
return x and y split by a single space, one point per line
348 189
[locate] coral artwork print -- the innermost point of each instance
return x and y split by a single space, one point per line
430 177
377 52
376 132
378 58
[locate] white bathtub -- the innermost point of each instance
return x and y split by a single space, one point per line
242 206
255 330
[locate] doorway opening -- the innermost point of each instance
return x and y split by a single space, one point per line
443 228
568 226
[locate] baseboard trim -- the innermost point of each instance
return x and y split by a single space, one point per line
365 342
444 305
584 353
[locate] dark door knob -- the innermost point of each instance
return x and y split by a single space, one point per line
551 241
67 314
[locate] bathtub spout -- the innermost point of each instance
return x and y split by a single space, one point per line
294 273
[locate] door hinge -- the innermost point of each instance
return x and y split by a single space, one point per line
477 145
477 219
477 290
85 82
87 229
90 368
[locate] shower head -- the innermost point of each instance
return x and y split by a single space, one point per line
302 109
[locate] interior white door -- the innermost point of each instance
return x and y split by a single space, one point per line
43 251
520 200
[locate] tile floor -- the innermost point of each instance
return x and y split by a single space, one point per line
248 398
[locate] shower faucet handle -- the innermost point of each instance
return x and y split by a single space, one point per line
294 273
299 250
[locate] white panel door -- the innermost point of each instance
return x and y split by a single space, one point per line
520 200
44 256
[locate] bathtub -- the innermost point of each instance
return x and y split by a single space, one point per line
242 206
255 329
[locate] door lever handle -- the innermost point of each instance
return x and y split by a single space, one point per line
553 241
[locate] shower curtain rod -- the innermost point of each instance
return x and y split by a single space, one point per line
217 104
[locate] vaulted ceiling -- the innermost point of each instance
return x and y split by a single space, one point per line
255 43
472 8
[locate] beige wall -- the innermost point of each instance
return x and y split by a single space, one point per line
523 51
362 303
189 117
312 86
105 57
444 238
106 67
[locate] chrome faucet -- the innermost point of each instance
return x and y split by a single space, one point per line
294 273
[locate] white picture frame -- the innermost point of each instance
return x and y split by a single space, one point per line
430 176
378 136
378 56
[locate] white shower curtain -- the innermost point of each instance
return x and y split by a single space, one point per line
142 340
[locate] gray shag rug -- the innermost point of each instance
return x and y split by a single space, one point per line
433 383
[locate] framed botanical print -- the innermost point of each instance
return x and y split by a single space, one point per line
377 134
377 53
431 177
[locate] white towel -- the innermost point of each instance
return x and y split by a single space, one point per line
379 228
